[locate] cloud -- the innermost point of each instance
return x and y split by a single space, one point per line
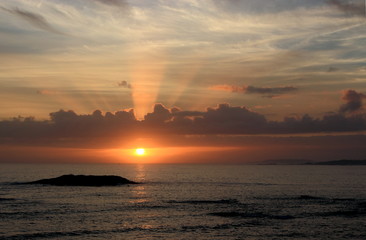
349 7
225 119
266 91
34 19
228 88
264 6
328 123
47 92
221 120
114 3
124 84
353 101
160 114
70 124
269 90
332 69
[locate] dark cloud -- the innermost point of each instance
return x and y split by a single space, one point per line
124 84
328 123
223 120
356 8
34 19
65 125
349 7
114 3
264 6
266 91
70 124
160 114
226 119
332 69
353 101
269 90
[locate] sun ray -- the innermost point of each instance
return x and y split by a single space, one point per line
147 73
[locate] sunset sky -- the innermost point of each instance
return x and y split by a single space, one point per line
190 80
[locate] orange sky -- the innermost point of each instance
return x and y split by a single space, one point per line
87 78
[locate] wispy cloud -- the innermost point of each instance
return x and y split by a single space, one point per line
268 45
350 7
34 19
47 92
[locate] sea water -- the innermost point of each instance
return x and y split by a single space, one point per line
186 202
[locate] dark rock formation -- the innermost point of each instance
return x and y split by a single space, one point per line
84 180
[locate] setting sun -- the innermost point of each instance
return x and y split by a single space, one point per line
140 151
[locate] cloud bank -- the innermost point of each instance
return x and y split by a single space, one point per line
223 119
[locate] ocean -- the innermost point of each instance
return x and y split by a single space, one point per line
186 202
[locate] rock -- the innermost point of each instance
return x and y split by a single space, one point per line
84 180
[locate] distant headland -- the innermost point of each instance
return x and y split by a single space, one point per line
343 162
84 180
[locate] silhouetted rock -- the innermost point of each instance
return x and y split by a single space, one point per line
84 180
308 197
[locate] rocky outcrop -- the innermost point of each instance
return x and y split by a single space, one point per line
84 180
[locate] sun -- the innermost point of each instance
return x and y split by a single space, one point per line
140 151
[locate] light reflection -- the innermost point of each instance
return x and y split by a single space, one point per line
139 193
140 173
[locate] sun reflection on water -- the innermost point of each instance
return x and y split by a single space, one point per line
139 193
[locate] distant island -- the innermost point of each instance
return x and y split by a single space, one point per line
84 180
288 161
343 162
340 162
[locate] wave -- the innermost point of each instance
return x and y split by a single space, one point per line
235 214
311 198
214 227
361 204
53 234
7 199
76 233
222 201
343 213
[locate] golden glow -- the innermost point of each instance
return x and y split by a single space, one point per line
162 155
140 151
146 74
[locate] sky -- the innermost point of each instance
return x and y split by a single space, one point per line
192 81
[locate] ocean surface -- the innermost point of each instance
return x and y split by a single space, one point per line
186 202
